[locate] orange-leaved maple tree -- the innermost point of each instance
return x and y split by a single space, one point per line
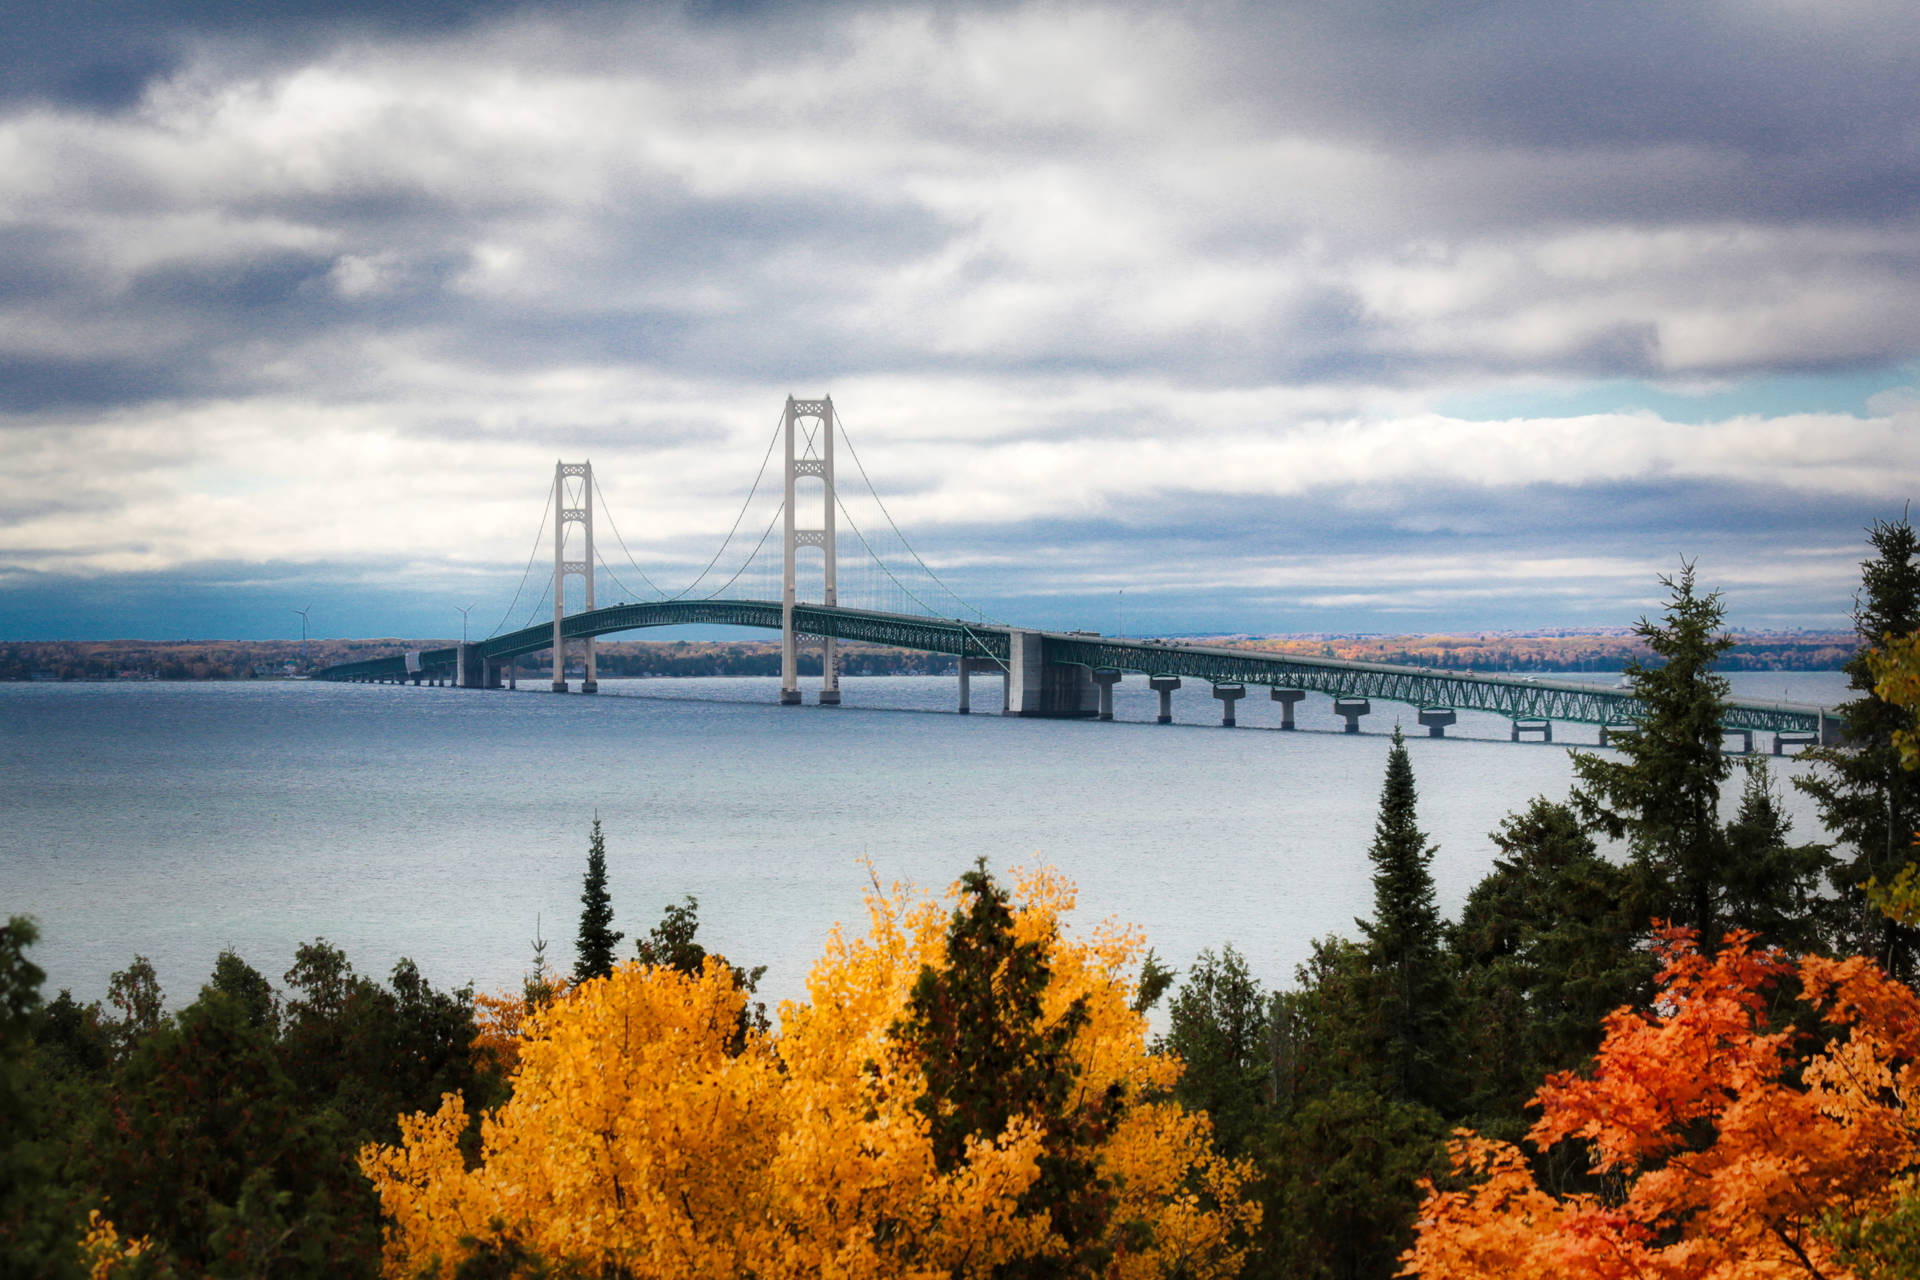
1724 1143
643 1138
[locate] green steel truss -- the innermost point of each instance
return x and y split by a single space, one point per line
1516 697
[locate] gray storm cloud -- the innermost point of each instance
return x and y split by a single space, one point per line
287 286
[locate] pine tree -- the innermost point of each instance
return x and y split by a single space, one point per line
1220 1026
988 1054
1663 794
1864 796
1545 948
593 949
1773 887
1404 945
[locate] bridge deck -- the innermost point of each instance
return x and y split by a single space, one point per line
1516 697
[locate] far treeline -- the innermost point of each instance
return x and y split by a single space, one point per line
1481 651
1696 1057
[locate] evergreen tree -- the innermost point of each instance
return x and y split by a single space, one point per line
1545 948
988 1055
1220 1027
1345 1150
1864 796
1663 794
1773 887
593 949
1415 991
671 944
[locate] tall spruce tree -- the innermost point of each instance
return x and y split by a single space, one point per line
593 949
1662 795
1864 796
988 1054
1404 941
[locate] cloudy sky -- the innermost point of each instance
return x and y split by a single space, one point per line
1276 317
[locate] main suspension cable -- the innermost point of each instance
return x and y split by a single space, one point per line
545 507
861 467
751 555
607 507
764 459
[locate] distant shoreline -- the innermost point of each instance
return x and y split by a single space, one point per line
1546 650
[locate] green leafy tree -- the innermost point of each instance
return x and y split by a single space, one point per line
371 1053
1545 947
1419 1049
988 1055
1865 798
247 988
135 991
1662 795
593 948
205 1147
1220 1026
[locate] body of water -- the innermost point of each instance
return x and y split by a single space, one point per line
175 820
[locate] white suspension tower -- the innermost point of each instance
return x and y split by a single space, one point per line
564 515
811 456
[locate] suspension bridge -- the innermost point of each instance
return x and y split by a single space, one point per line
903 603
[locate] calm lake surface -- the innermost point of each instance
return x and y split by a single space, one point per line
175 820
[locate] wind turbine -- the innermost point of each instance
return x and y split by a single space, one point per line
303 633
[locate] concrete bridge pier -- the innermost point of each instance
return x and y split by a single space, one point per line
1287 698
1228 695
1782 741
1036 687
1746 740
1542 727
1352 709
986 666
1106 678
1437 719
1164 686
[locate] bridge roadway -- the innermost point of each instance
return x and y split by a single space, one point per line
1531 704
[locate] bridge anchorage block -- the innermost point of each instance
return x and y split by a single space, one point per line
1287 698
1106 678
1228 695
1782 741
1542 727
1352 709
1437 719
1164 686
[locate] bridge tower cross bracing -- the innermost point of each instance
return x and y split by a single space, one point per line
809 453
564 515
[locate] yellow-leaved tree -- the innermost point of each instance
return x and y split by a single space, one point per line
960 1094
